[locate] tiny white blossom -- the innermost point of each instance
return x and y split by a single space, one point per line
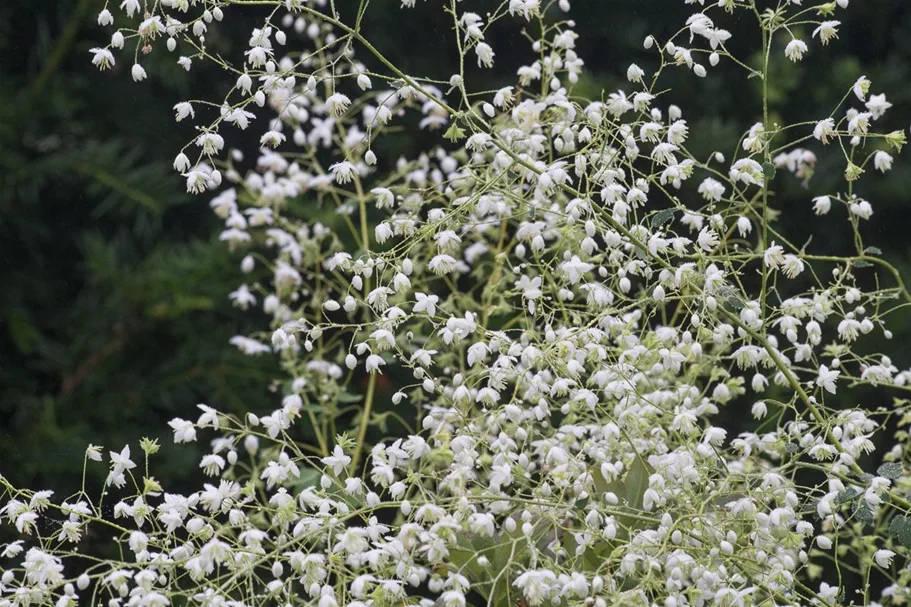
826 378
338 461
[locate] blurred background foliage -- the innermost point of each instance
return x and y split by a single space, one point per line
114 316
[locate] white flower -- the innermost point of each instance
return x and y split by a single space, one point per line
744 226
212 464
121 463
859 124
272 139
244 83
343 171
826 31
503 97
478 142
747 171
363 82
485 54
256 56
773 256
138 73
711 189
826 378
524 8
634 73
425 303
882 161
338 461
105 18
211 143
184 431
878 106
442 264
374 362
473 24
130 6
242 297
12 550
678 132
883 558
536 585
828 593
382 232
707 239
102 58
861 208
861 88
183 110
792 266
821 205
337 104
280 339
824 129
575 268
795 49
384 197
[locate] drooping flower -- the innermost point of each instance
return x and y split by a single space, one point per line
795 49
337 104
826 31
485 54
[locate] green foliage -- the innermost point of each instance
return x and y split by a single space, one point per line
900 529
114 315
890 470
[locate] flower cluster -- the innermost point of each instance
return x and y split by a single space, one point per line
564 299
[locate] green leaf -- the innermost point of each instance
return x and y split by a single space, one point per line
862 263
768 170
891 470
791 448
636 483
847 495
873 251
733 303
594 558
900 529
864 514
309 477
662 217
21 330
